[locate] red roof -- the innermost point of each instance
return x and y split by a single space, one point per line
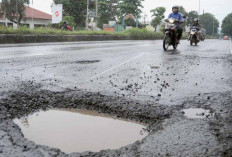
36 14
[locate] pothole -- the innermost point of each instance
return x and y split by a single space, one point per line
87 61
79 131
154 67
197 113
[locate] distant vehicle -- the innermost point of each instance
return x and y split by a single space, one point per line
225 38
194 36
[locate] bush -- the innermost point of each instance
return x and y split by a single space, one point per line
142 34
134 33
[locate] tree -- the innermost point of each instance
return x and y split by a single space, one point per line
227 25
210 23
75 8
130 7
183 11
191 16
107 10
14 9
158 13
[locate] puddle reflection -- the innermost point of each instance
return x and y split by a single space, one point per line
79 131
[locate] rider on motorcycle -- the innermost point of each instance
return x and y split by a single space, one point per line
176 15
198 27
196 24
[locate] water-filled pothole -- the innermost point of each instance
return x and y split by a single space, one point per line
197 113
79 131
87 61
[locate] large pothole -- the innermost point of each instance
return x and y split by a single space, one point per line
73 130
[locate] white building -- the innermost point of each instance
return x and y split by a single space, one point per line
33 18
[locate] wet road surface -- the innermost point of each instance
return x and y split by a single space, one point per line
138 69
191 76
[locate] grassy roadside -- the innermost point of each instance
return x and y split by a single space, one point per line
135 34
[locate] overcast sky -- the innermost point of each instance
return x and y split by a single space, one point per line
220 8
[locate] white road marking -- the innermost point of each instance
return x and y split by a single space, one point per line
108 70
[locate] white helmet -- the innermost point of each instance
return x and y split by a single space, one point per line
196 20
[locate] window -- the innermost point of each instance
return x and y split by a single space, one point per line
37 25
10 24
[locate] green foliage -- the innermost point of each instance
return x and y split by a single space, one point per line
162 28
70 20
47 31
210 23
130 7
158 13
143 34
75 8
183 11
134 33
156 21
227 25
14 9
191 16
107 10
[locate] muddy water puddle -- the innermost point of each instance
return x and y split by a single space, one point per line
79 131
197 113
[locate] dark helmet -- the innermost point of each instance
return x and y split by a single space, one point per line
175 7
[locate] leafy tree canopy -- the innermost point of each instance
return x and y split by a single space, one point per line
158 14
75 8
210 23
107 10
227 25
130 7
191 16
14 9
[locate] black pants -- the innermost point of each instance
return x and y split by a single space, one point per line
179 33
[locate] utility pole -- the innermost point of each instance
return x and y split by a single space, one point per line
17 18
33 16
87 17
199 12
203 18
96 12
144 18
213 27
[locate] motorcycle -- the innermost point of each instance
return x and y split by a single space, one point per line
194 36
170 34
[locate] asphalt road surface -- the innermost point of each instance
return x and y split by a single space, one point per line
189 77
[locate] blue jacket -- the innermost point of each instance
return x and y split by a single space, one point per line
176 16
